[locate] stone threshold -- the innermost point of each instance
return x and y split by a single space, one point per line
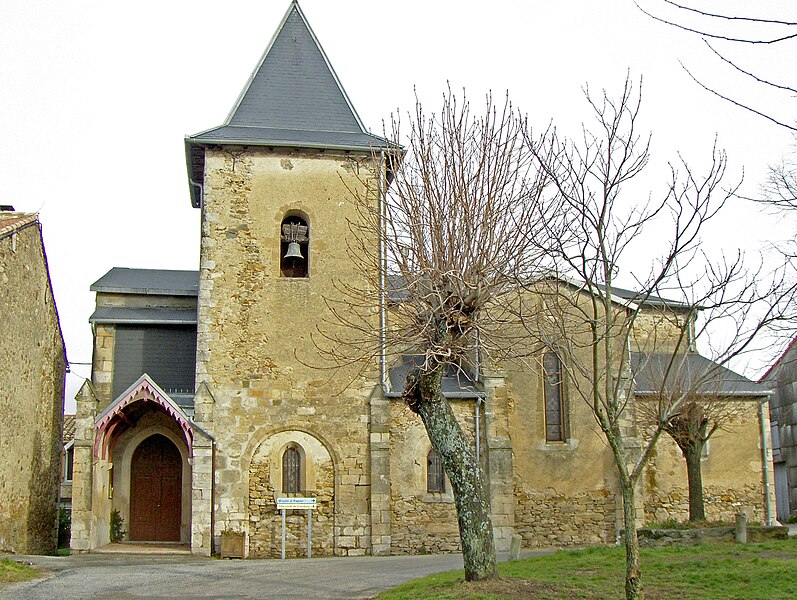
143 548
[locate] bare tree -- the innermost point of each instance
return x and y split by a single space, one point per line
724 29
448 242
598 328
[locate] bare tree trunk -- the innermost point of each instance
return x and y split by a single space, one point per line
694 475
473 504
633 573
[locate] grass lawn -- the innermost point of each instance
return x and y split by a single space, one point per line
12 572
707 572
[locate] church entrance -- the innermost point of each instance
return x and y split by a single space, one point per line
156 491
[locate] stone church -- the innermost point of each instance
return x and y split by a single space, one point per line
204 408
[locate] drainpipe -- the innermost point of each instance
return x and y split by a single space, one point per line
765 452
382 275
201 191
478 434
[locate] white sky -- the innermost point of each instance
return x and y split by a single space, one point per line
96 98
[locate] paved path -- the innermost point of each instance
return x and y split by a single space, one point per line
125 577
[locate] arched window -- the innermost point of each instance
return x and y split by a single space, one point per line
294 247
554 398
292 470
435 475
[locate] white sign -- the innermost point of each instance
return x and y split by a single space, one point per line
296 503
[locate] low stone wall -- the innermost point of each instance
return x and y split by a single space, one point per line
549 519
691 537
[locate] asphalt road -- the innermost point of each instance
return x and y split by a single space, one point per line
104 576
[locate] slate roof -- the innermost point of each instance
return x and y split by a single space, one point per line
69 429
162 282
455 385
292 99
692 371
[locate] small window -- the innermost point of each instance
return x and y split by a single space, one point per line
554 398
291 470
294 247
435 474
69 463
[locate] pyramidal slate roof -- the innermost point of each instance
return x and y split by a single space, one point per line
292 99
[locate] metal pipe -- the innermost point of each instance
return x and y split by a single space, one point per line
382 276
478 431
765 457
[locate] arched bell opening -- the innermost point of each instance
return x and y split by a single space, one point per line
295 245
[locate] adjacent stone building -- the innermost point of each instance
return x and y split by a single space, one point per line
207 402
782 378
32 370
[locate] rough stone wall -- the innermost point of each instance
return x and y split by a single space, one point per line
564 491
421 522
255 351
265 521
546 519
32 370
732 474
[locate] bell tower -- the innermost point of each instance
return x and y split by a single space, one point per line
274 185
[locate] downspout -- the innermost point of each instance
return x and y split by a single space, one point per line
478 430
193 183
382 276
479 400
765 461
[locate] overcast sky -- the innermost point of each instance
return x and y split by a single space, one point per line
96 98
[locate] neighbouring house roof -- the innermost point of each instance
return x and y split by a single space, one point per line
68 434
292 99
148 281
126 315
456 384
785 357
11 222
690 372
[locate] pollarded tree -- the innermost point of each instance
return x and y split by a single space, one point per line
451 238
712 398
605 334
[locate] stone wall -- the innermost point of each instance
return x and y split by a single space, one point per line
732 472
546 519
32 370
265 521
257 360
421 522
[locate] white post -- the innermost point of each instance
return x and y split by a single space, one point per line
309 533
283 534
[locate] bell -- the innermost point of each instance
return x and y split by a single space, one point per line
293 251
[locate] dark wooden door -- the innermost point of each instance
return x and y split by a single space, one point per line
156 485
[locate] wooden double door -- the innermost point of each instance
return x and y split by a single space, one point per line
156 491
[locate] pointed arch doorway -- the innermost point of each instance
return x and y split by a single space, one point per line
156 483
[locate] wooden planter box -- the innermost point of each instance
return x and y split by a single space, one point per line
233 545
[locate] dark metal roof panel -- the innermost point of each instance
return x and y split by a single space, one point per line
456 384
144 316
690 372
148 281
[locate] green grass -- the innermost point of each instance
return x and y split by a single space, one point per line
706 572
12 571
